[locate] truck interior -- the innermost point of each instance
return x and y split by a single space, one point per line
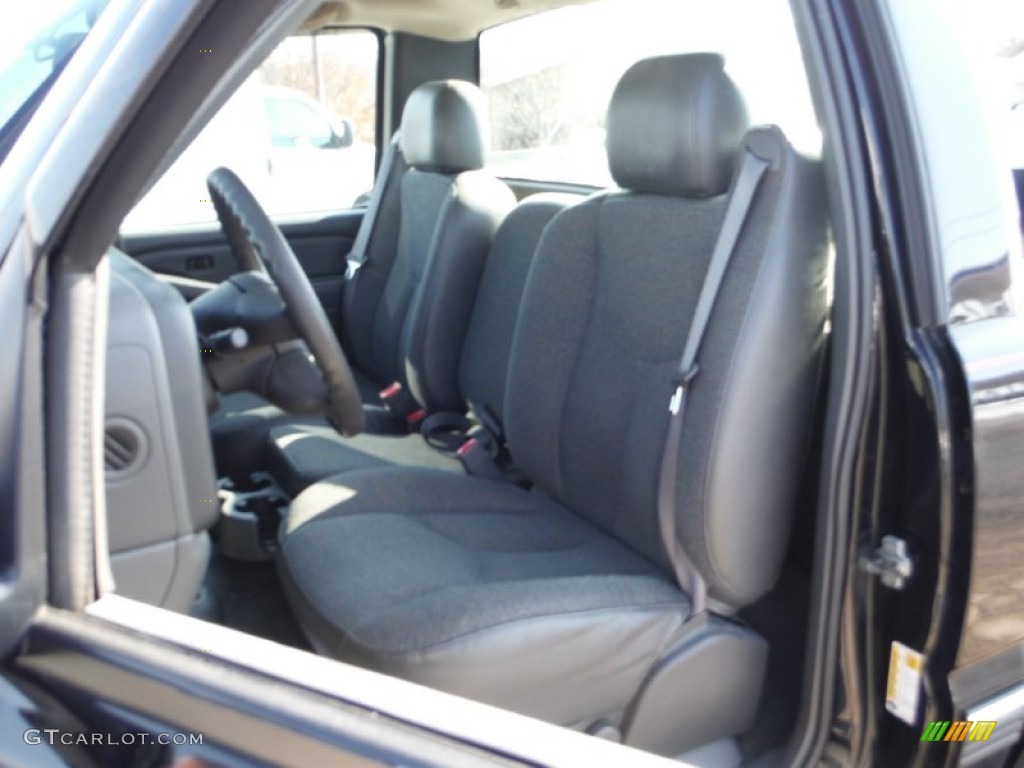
538 420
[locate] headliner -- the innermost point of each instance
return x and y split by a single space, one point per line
450 20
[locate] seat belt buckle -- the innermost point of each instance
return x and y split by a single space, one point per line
352 267
477 460
391 391
402 406
485 438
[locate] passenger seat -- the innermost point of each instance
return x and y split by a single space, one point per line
302 453
407 308
573 602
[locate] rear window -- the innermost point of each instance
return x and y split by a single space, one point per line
548 78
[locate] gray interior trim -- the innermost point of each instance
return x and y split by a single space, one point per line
24 293
851 368
168 573
134 630
72 439
725 663
161 494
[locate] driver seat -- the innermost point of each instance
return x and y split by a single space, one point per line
561 602
406 310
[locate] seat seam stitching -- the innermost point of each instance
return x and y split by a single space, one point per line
643 608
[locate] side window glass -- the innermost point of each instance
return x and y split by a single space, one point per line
548 86
293 124
300 132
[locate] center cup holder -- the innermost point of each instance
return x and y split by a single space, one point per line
250 518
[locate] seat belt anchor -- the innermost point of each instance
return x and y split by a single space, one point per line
403 406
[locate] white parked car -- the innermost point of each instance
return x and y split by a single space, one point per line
1017 151
291 150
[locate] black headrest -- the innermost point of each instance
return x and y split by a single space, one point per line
444 127
675 125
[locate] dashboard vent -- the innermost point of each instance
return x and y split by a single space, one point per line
122 448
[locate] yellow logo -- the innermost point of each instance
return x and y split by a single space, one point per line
958 730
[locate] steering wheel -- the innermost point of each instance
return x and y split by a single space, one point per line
260 246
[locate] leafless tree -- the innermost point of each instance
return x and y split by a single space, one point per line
529 111
347 86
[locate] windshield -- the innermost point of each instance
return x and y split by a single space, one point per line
36 40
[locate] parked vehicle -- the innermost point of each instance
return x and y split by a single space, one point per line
290 150
1017 158
661 405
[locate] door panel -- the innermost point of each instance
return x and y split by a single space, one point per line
157 704
197 255
320 244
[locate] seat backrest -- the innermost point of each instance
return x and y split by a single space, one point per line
407 310
483 368
605 315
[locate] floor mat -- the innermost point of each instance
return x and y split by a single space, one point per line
248 597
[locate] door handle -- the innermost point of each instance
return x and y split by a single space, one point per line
203 263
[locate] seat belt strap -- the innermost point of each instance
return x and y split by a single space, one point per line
752 170
476 440
357 256
446 430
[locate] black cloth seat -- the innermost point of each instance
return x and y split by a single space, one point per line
406 310
561 602
468 563
299 455
302 452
